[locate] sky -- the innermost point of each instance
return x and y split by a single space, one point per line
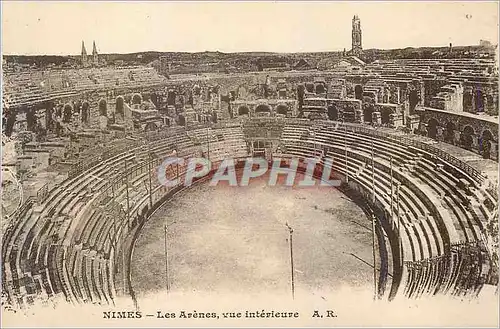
58 28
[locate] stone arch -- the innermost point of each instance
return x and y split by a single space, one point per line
449 133
196 90
182 120
119 105
103 107
385 115
85 111
136 99
320 88
171 96
467 137
314 116
467 98
309 87
413 98
479 100
333 112
30 117
243 110
358 92
263 108
432 126
368 113
485 143
67 112
154 98
282 109
10 121
151 126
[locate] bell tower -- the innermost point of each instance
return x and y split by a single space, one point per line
357 47
84 55
95 56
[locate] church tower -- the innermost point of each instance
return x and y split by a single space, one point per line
357 47
84 55
95 58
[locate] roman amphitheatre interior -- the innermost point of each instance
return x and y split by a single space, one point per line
413 134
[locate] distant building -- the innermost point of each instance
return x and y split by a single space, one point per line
304 64
87 61
485 43
84 55
357 47
95 56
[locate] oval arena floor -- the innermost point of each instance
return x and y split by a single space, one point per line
234 240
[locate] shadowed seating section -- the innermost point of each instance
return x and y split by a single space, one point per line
435 248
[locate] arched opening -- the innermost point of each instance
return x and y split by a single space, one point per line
262 108
467 99
119 106
449 134
30 118
154 99
432 128
181 100
310 87
333 112
67 112
300 97
314 116
77 107
136 99
182 120
282 109
10 122
413 100
466 137
103 108
479 100
85 111
151 126
243 110
320 88
196 90
59 110
385 115
358 92
368 113
485 144
171 97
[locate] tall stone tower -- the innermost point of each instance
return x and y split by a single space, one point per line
84 54
95 58
357 47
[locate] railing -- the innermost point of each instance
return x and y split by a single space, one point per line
42 193
14 220
469 170
472 172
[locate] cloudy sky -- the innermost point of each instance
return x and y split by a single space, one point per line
119 27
